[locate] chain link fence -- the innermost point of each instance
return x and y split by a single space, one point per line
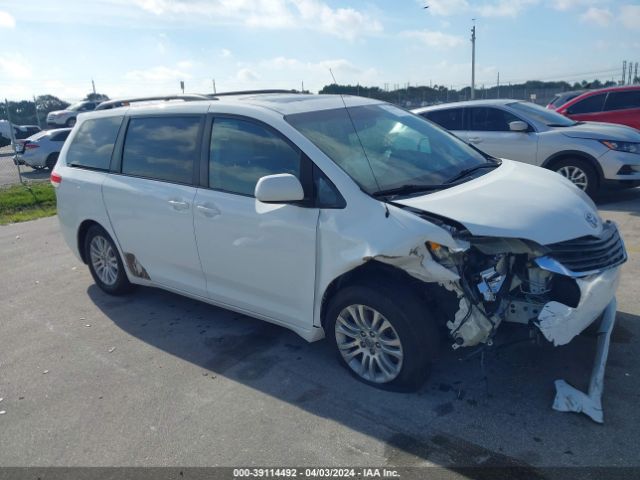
12 174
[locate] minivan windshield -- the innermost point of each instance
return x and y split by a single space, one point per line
385 148
540 114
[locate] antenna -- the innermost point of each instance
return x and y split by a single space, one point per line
355 130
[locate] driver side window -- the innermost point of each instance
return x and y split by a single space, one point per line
486 119
241 152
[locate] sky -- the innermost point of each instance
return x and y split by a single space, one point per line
146 47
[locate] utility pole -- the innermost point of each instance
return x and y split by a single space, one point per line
93 85
213 81
630 73
473 60
624 71
302 86
182 86
498 95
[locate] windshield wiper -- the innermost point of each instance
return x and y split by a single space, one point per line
408 189
467 171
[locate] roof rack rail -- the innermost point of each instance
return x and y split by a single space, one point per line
251 92
124 102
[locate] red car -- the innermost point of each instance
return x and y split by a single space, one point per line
611 105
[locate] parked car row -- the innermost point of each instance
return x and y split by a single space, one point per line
589 154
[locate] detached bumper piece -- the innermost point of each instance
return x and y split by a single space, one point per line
570 399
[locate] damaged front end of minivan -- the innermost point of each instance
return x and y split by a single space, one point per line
559 289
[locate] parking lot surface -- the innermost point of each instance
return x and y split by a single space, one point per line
155 379
9 172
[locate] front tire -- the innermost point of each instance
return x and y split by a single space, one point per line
579 172
70 123
104 262
384 336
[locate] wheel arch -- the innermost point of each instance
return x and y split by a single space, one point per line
82 235
565 154
441 301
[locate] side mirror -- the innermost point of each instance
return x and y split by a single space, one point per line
518 126
280 188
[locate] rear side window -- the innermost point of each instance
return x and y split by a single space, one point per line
451 119
93 143
622 100
588 105
59 137
242 152
162 148
486 119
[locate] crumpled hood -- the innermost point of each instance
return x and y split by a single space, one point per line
601 131
515 200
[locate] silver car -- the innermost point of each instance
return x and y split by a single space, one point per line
42 149
587 153
68 116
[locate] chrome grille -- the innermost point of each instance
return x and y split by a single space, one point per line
591 253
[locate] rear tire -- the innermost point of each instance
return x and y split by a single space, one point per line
104 262
70 123
51 161
384 336
579 172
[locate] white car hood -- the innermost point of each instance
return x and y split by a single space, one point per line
601 131
516 200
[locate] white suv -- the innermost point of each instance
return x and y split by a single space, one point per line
347 217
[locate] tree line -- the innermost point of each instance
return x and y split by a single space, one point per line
412 96
29 112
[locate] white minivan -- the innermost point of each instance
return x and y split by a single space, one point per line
339 216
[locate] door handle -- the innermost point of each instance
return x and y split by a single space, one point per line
207 210
475 140
179 204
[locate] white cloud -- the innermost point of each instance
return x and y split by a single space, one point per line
346 23
185 64
15 67
7 20
597 16
434 38
630 16
505 8
247 75
225 53
564 5
157 74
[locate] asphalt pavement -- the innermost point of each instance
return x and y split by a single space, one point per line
155 379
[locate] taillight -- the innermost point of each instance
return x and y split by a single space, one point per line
29 145
56 179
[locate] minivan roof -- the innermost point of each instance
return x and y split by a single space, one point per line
283 103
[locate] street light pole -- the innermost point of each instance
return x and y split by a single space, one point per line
473 60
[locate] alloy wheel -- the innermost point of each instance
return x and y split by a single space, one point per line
576 175
104 260
368 343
